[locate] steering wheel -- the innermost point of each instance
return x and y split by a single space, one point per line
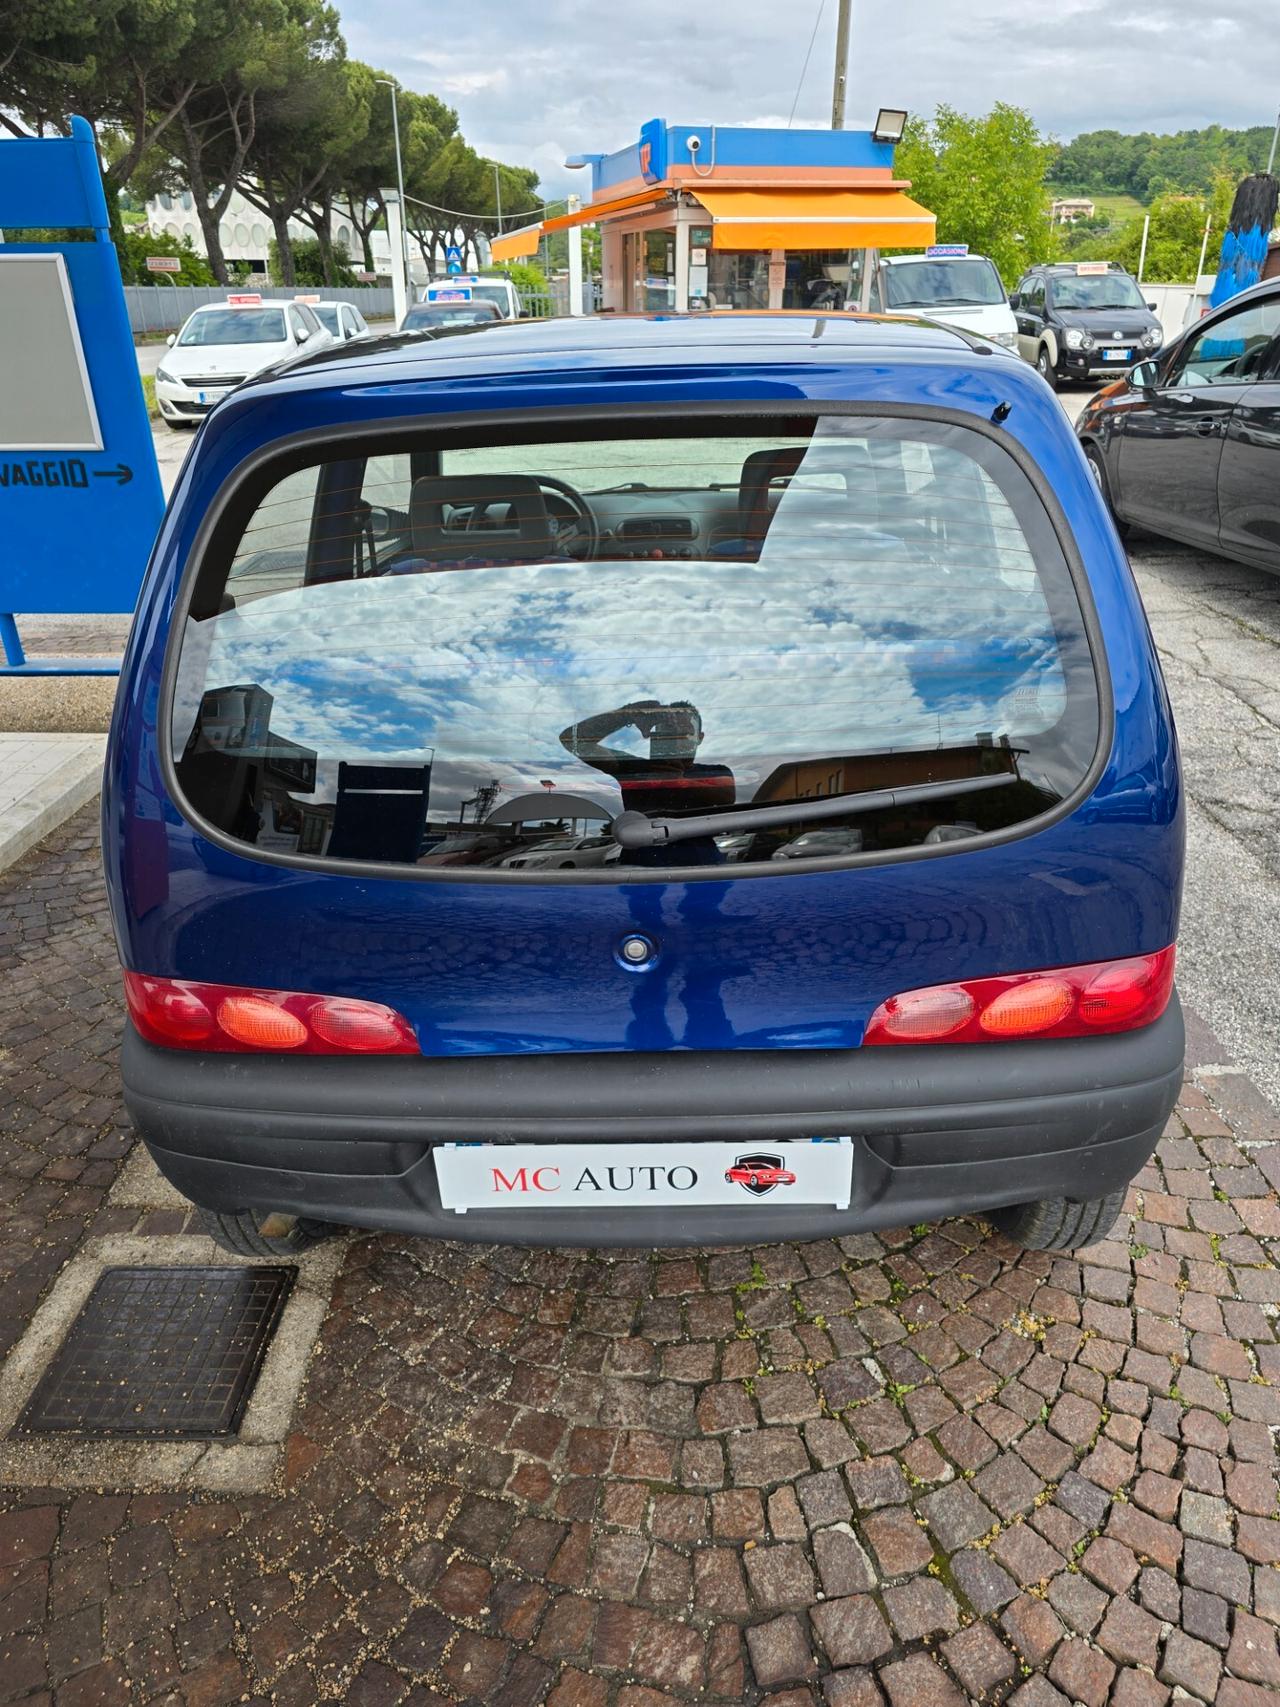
578 534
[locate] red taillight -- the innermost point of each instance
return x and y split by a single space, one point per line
1061 1001
179 1013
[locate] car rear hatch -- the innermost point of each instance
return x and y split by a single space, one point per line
865 634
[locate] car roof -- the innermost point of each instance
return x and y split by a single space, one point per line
661 340
237 307
911 260
1075 266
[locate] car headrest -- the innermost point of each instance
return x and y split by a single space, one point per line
509 514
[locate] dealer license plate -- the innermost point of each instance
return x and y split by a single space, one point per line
1117 355
643 1176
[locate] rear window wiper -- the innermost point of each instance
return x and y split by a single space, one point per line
635 830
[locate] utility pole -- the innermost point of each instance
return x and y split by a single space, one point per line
842 65
1275 136
404 211
497 197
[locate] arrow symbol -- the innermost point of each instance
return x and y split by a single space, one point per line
119 473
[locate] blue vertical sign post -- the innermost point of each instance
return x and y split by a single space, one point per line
453 259
80 496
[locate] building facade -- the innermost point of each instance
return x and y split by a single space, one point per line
704 216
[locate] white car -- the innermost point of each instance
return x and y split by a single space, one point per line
343 321
958 290
475 287
564 853
224 343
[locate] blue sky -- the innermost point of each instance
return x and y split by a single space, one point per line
534 82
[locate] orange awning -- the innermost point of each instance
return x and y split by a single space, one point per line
816 219
600 210
515 245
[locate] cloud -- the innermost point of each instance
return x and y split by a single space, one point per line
534 83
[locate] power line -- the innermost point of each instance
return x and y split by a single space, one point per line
822 6
487 218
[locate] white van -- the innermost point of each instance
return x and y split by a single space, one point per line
473 287
948 284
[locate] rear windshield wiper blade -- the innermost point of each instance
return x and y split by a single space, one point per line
634 830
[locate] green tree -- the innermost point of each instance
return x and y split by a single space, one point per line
311 266
1175 236
984 179
302 124
240 53
139 244
1144 164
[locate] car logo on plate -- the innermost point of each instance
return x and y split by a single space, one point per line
759 1174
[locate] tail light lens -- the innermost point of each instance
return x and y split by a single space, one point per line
178 1013
1063 1001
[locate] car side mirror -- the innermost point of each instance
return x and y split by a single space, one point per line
172 339
1015 299
1145 376
304 332
1152 307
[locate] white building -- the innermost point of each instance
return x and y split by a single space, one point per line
247 233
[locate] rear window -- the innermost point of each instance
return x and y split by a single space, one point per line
442 653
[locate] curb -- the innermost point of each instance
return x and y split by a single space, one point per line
52 797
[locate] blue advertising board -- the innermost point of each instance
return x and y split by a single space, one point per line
80 495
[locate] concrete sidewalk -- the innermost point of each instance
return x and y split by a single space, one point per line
43 780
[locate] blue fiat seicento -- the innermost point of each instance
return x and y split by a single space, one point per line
645 782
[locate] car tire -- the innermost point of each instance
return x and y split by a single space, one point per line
1098 468
1045 367
243 1232
1058 1223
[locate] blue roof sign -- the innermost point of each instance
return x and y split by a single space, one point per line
947 251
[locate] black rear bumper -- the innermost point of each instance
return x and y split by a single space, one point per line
937 1131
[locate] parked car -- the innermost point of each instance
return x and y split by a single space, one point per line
342 320
1078 320
956 288
563 853
475 287
224 343
1188 445
896 613
821 842
446 316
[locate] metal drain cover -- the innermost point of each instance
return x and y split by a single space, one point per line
170 1353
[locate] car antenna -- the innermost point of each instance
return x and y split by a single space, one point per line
1000 413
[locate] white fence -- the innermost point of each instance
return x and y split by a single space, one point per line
164 307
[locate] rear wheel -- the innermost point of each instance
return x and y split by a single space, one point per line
1057 1223
249 1233
1045 367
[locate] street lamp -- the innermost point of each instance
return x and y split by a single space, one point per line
395 125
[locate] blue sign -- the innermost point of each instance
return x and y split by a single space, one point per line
653 151
948 251
80 495
453 259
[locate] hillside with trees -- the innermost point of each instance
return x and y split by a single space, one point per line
1146 165
258 96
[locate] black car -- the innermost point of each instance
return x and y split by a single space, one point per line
1188 445
434 316
1082 319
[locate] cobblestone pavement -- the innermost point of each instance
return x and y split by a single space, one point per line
915 1469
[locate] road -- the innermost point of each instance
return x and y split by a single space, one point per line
1217 628
150 356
